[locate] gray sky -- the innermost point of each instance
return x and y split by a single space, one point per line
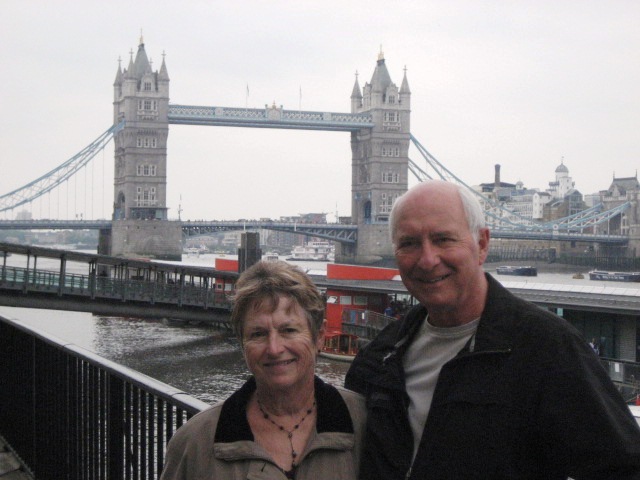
519 83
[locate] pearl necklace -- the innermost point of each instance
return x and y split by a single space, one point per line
294 454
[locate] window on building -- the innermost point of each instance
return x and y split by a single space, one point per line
146 170
390 116
390 177
392 99
147 142
345 300
386 203
360 300
146 196
147 86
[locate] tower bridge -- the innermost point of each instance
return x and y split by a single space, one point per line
380 138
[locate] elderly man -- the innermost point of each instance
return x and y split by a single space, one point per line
475 382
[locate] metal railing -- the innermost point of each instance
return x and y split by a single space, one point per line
365 324
626 376
70 414
26 280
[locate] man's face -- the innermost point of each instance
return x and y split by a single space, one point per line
439 260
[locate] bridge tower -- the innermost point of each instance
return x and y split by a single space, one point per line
380 159
140 224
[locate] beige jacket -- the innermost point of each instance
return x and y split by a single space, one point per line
218 444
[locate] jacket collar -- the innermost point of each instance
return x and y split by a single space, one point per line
333 414
495 330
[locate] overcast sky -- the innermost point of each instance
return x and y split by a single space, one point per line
523 84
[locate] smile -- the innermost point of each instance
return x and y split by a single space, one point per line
278 364
433 280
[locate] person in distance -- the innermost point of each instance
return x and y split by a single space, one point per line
475 382
284 422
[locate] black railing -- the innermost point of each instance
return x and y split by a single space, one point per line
626 376
365 324
25 280
70 414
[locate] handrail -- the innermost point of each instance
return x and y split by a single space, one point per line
105 420
28 280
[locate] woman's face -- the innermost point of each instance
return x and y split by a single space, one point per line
279 348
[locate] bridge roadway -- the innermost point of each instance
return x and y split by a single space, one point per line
342 233
118 286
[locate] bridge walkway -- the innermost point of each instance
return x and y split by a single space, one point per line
36 277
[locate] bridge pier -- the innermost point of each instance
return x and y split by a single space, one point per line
374 245
158 239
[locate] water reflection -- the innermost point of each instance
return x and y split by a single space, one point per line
199 360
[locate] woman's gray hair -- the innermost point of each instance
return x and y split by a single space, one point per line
470 203
260 287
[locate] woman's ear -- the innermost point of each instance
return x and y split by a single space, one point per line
321 332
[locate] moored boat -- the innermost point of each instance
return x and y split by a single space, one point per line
523 271
313 251
614 276
355 315
340 346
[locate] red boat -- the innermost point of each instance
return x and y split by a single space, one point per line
355 314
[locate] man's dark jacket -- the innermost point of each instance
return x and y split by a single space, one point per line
526 398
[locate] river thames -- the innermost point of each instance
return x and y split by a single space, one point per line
199 360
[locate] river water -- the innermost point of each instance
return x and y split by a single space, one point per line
198 360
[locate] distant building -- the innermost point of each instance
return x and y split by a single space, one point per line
23 215
559 200
621 186
563 183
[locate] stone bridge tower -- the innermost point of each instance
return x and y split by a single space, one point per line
140 224
379 163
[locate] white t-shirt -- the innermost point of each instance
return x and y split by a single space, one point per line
431 348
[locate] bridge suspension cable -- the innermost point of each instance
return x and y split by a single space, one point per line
58 175
499 216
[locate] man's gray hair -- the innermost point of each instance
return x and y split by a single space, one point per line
470 203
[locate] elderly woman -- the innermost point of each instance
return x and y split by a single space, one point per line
284 422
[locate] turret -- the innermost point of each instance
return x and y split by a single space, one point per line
405 92
356 97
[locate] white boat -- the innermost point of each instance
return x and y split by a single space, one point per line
196 251
614 276
270 257
320 251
